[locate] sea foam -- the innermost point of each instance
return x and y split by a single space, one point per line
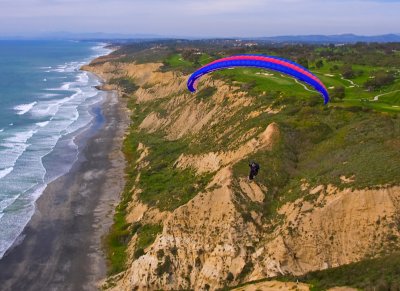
24 108
42 124
35 154
5 172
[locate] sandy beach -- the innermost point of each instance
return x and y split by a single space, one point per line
60 248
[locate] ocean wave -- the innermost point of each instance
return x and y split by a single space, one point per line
60 68
50 108
14 146
68 67
14 222
24 108
48 95
19 137
42 124
4 203
5 172
101 50
83 77
99 46
13 149
66 86
34 155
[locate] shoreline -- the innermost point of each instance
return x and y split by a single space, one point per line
60 248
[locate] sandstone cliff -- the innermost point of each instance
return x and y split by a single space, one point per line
222 234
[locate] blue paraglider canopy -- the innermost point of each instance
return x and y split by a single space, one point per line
264 62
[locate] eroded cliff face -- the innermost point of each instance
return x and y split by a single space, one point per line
340 227
211 241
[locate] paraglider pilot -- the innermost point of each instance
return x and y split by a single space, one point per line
254 168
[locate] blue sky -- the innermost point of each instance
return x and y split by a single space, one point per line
201 17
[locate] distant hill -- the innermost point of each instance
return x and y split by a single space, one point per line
340 38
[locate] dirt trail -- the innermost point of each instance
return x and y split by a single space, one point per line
376 98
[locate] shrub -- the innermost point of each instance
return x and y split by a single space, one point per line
338 93
135 227
206 93
248 267
147 235
126 84
138 253
347 72
164 267
160 254
379 79
230 277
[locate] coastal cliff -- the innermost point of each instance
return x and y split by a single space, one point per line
190 219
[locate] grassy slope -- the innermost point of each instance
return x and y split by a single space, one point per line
371 274
319 143
163 185
267 81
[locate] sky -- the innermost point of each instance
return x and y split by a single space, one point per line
200 18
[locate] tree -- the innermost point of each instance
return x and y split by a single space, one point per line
338 93
191 55
379 79
303 62
334 68
347 72
319 64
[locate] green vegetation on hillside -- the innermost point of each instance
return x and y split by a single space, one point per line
162 184
363 70
320 145
357 135
177 61
381 274
371 274
127 85
146 236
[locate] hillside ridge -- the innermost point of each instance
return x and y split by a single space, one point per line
192 220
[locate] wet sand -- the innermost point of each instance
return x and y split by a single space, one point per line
61 246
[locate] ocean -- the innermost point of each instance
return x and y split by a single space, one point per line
45 102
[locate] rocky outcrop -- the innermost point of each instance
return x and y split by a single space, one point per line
208 239
275 286
280 286
212 161
339 227
202 242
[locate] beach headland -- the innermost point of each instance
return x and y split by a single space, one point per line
60 248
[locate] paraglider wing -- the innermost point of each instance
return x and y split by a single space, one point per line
263 62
